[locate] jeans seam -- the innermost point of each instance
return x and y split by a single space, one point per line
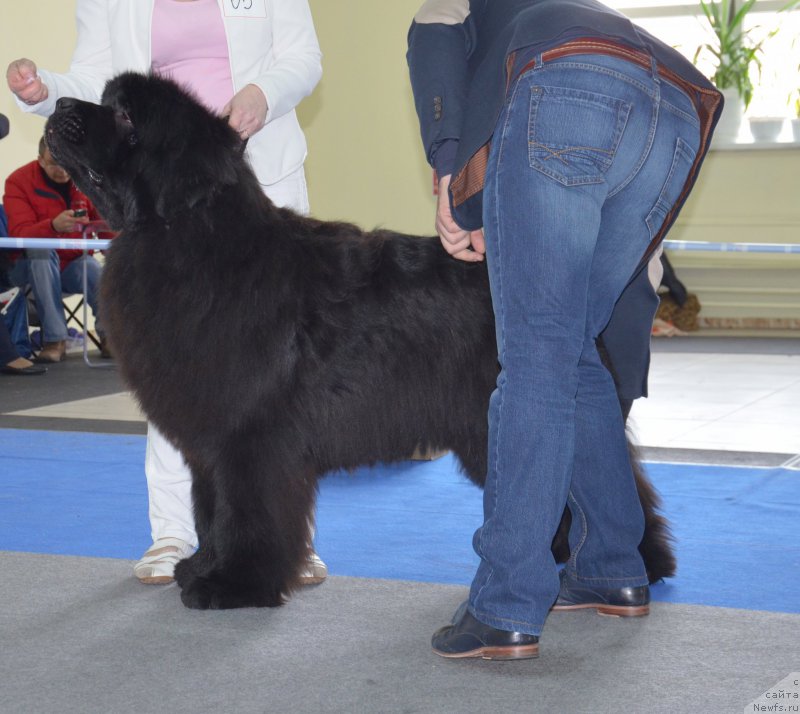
677 111
573 556
500 318
682 150
602 70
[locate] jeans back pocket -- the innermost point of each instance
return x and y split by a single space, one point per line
573 134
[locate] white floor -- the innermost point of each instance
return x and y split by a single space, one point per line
728 402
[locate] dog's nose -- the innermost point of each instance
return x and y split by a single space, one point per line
66 103
66 122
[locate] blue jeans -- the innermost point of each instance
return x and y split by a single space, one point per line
588 156
40 269
16 321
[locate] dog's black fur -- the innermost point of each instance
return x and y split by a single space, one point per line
269 347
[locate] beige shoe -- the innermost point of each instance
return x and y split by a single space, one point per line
315 571
52 352
157 565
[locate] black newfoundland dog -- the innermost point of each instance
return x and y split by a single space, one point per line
269 347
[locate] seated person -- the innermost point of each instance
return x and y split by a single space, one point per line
41 201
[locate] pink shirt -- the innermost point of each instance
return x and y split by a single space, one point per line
188 44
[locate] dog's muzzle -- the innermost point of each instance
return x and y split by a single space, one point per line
66 122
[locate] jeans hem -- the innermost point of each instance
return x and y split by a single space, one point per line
527 628
633 581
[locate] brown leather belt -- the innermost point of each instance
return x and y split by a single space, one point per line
594 46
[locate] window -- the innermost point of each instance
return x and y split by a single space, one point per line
685 27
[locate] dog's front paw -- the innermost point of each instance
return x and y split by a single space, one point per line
213 592
193 566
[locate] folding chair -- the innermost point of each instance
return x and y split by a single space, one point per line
91 231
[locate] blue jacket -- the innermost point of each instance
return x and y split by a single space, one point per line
460 54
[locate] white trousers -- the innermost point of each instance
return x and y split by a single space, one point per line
169 482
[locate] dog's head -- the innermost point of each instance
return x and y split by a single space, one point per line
148 151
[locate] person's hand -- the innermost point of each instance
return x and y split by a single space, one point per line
461 244
24 80
68 222
247 110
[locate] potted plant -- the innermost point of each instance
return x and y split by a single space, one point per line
734 52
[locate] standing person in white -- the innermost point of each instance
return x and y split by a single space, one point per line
250 60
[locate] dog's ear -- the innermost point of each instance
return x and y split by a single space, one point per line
196 172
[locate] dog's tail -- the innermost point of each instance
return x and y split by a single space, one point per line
657 543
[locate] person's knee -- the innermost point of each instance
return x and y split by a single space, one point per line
93 272
44 265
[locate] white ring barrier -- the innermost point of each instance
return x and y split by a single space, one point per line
698 245
56 243
688 245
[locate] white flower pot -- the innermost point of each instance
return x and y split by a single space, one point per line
730 122
796 129
766 128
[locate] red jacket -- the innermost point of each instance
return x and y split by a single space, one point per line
31 205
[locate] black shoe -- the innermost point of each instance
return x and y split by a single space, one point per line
468 637
622 602
105 352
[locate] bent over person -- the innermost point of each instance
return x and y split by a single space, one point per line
566 140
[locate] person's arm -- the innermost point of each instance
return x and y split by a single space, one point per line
88 72
298 59
24 221
439 45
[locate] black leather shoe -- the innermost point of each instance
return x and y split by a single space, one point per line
468 637
23 371
622 602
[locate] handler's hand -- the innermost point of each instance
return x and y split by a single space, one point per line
464 245
247 111
24 81
68 222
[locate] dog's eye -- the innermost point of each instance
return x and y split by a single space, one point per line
95 177
124 116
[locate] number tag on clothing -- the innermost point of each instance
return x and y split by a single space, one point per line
245 8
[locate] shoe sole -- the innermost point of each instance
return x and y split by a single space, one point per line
157 580
495 653
312 580
608 610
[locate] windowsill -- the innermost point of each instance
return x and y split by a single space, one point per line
745 141
750 145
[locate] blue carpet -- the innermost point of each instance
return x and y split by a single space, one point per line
737 529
